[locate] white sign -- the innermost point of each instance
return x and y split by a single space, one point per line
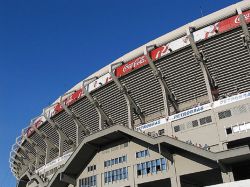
206 32
232 99
54 163
241 127
106 78
189 112
151 124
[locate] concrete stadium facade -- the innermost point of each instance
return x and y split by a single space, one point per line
174 112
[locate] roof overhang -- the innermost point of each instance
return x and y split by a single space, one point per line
92 144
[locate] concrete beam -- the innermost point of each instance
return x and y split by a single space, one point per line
67 179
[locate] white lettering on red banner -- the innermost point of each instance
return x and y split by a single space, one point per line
132 65
168 48
233 22
37 123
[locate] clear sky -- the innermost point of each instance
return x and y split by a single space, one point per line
47 46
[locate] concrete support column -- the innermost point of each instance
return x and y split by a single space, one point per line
167 94
175 181
227 176
246 33
132 175
133 107
201 60
226 173
175 178
103 117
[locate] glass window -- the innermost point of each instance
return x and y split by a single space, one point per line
87 181
116 161
139 154
146 153
109 176
115 175
91 180
158 165
112 162
177 128
80 182
139 168
205 120
163 164
124 173
202 121
224 114
142 154
118 174
144 168
108 163
124 158
161 132
95 180
105 177
228 113
153 164
209 119
148 167
126 144
195 123
229 130
120 159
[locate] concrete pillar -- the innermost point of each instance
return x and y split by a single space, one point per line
132 175
227 176
175 181
99 178
226 173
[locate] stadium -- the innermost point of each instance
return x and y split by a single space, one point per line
173 112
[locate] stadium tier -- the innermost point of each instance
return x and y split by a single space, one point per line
174 112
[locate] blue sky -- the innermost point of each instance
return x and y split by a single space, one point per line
48 46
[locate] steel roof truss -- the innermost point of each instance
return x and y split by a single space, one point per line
131 104
168 95
79 125
201 60
103 117
62 136
246 34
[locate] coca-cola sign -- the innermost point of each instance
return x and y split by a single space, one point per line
169 47
233 22
37 123
246 16
67 101
131 65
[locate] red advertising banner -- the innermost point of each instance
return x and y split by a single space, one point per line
38 122
68 101
157 53
74 97
131 65
233 22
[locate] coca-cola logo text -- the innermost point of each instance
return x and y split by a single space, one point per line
134 64
246 16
